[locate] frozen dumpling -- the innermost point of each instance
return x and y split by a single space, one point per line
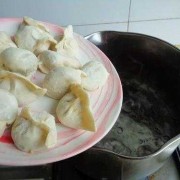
74 109
34 131
8 109
58 80
24 90
33 38
5 41
19 60
96 75
68 44
51 59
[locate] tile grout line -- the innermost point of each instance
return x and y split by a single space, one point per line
129 15
94 24
161 19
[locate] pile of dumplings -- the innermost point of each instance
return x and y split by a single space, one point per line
33 49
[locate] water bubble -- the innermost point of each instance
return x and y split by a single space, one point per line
119 130
144 150
141 141
159 142
166 138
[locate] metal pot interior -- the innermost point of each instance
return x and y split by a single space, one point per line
149 70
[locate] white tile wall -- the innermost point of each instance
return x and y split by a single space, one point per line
154 9
100 15
168 30
63 12
86 30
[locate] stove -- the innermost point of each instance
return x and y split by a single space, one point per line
69 169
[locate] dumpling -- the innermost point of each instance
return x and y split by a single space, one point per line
24 90
31 22
51 59
74 109
34 131
5 41
33 38
96 75
58 80
8 109
68 44
19 60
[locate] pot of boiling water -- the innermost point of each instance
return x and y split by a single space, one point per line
148 129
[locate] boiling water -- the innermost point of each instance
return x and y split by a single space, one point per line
145 122
131 138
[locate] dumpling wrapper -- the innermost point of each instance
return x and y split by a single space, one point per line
58 81
23 89
51 59
5 41
19 60
32 22
96 75
74 109
68 44
8 109
33 38
34 131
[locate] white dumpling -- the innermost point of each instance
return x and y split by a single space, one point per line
68 45
32 22
19 60
23 89
51 59
8 109
74 110
96 75
33 38
58 80
5 41
34 131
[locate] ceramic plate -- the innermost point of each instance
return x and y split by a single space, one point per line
105 102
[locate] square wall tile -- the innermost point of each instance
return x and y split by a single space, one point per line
68 12
168 30
154 9
88 29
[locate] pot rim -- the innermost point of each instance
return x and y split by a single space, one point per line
166 145
135 34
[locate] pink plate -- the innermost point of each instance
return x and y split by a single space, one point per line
105 102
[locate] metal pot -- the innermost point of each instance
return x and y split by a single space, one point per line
149 69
